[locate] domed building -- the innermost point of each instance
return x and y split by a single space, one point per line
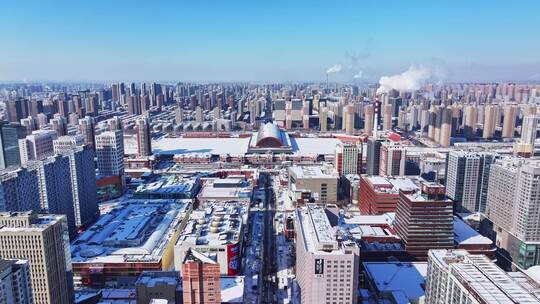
270 138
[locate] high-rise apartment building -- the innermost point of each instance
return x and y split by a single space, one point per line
467 176
43 241
513 207
144 138
349 119
369 119
55 193
17 109
86 128
509 121
424 220
348 158
200 279
387 117
323 119
37 145
470 115
19 190
67 143
490 121
110 153
59 125
82 175
15 283
525 147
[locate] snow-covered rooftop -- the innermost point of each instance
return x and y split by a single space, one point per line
402 280
232 289
214 224
134 231
466 235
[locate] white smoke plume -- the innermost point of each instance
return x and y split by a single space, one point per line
412 79
334 69
359 75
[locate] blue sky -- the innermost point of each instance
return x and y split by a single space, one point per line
267 41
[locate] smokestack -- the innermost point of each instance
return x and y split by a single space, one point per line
327 87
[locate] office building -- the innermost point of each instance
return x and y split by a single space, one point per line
456 276
43 241
144 138
379 195
10 133
348 158
424 220
373 156
467 177
200 279
313 183
15 282
37 145
392 159
110 153
327 267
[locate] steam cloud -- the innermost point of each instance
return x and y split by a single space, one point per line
334 69
412 79
359 75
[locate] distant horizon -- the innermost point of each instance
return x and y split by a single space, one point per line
174 82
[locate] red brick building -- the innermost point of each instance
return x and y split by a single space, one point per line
380 194
424 220
200 279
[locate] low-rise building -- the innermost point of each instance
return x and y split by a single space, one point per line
135 236
159 285
317 184
216 230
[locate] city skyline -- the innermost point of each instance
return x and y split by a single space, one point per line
241 41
